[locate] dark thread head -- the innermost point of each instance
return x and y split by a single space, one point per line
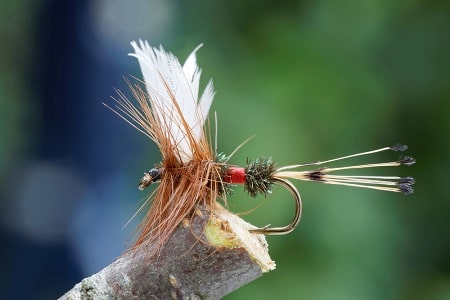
407 180
258 176
149 177
399 147
405 188
405 185
407 160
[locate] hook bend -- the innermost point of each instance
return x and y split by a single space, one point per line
298 211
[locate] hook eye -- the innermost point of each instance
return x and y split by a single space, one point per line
298 211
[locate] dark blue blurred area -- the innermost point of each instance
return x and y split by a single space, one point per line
71 82
312 79
73 158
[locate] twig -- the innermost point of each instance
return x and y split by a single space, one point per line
207 257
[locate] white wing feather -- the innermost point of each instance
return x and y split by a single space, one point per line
167 81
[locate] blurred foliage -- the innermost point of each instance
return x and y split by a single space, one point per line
313 80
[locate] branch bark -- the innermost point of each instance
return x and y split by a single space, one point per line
207 257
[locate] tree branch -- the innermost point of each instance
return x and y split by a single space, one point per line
207 257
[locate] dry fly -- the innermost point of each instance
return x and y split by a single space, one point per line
170 112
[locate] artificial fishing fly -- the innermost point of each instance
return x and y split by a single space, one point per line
170 112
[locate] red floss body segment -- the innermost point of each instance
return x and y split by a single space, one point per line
235 175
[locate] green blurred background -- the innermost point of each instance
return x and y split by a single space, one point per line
311 79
